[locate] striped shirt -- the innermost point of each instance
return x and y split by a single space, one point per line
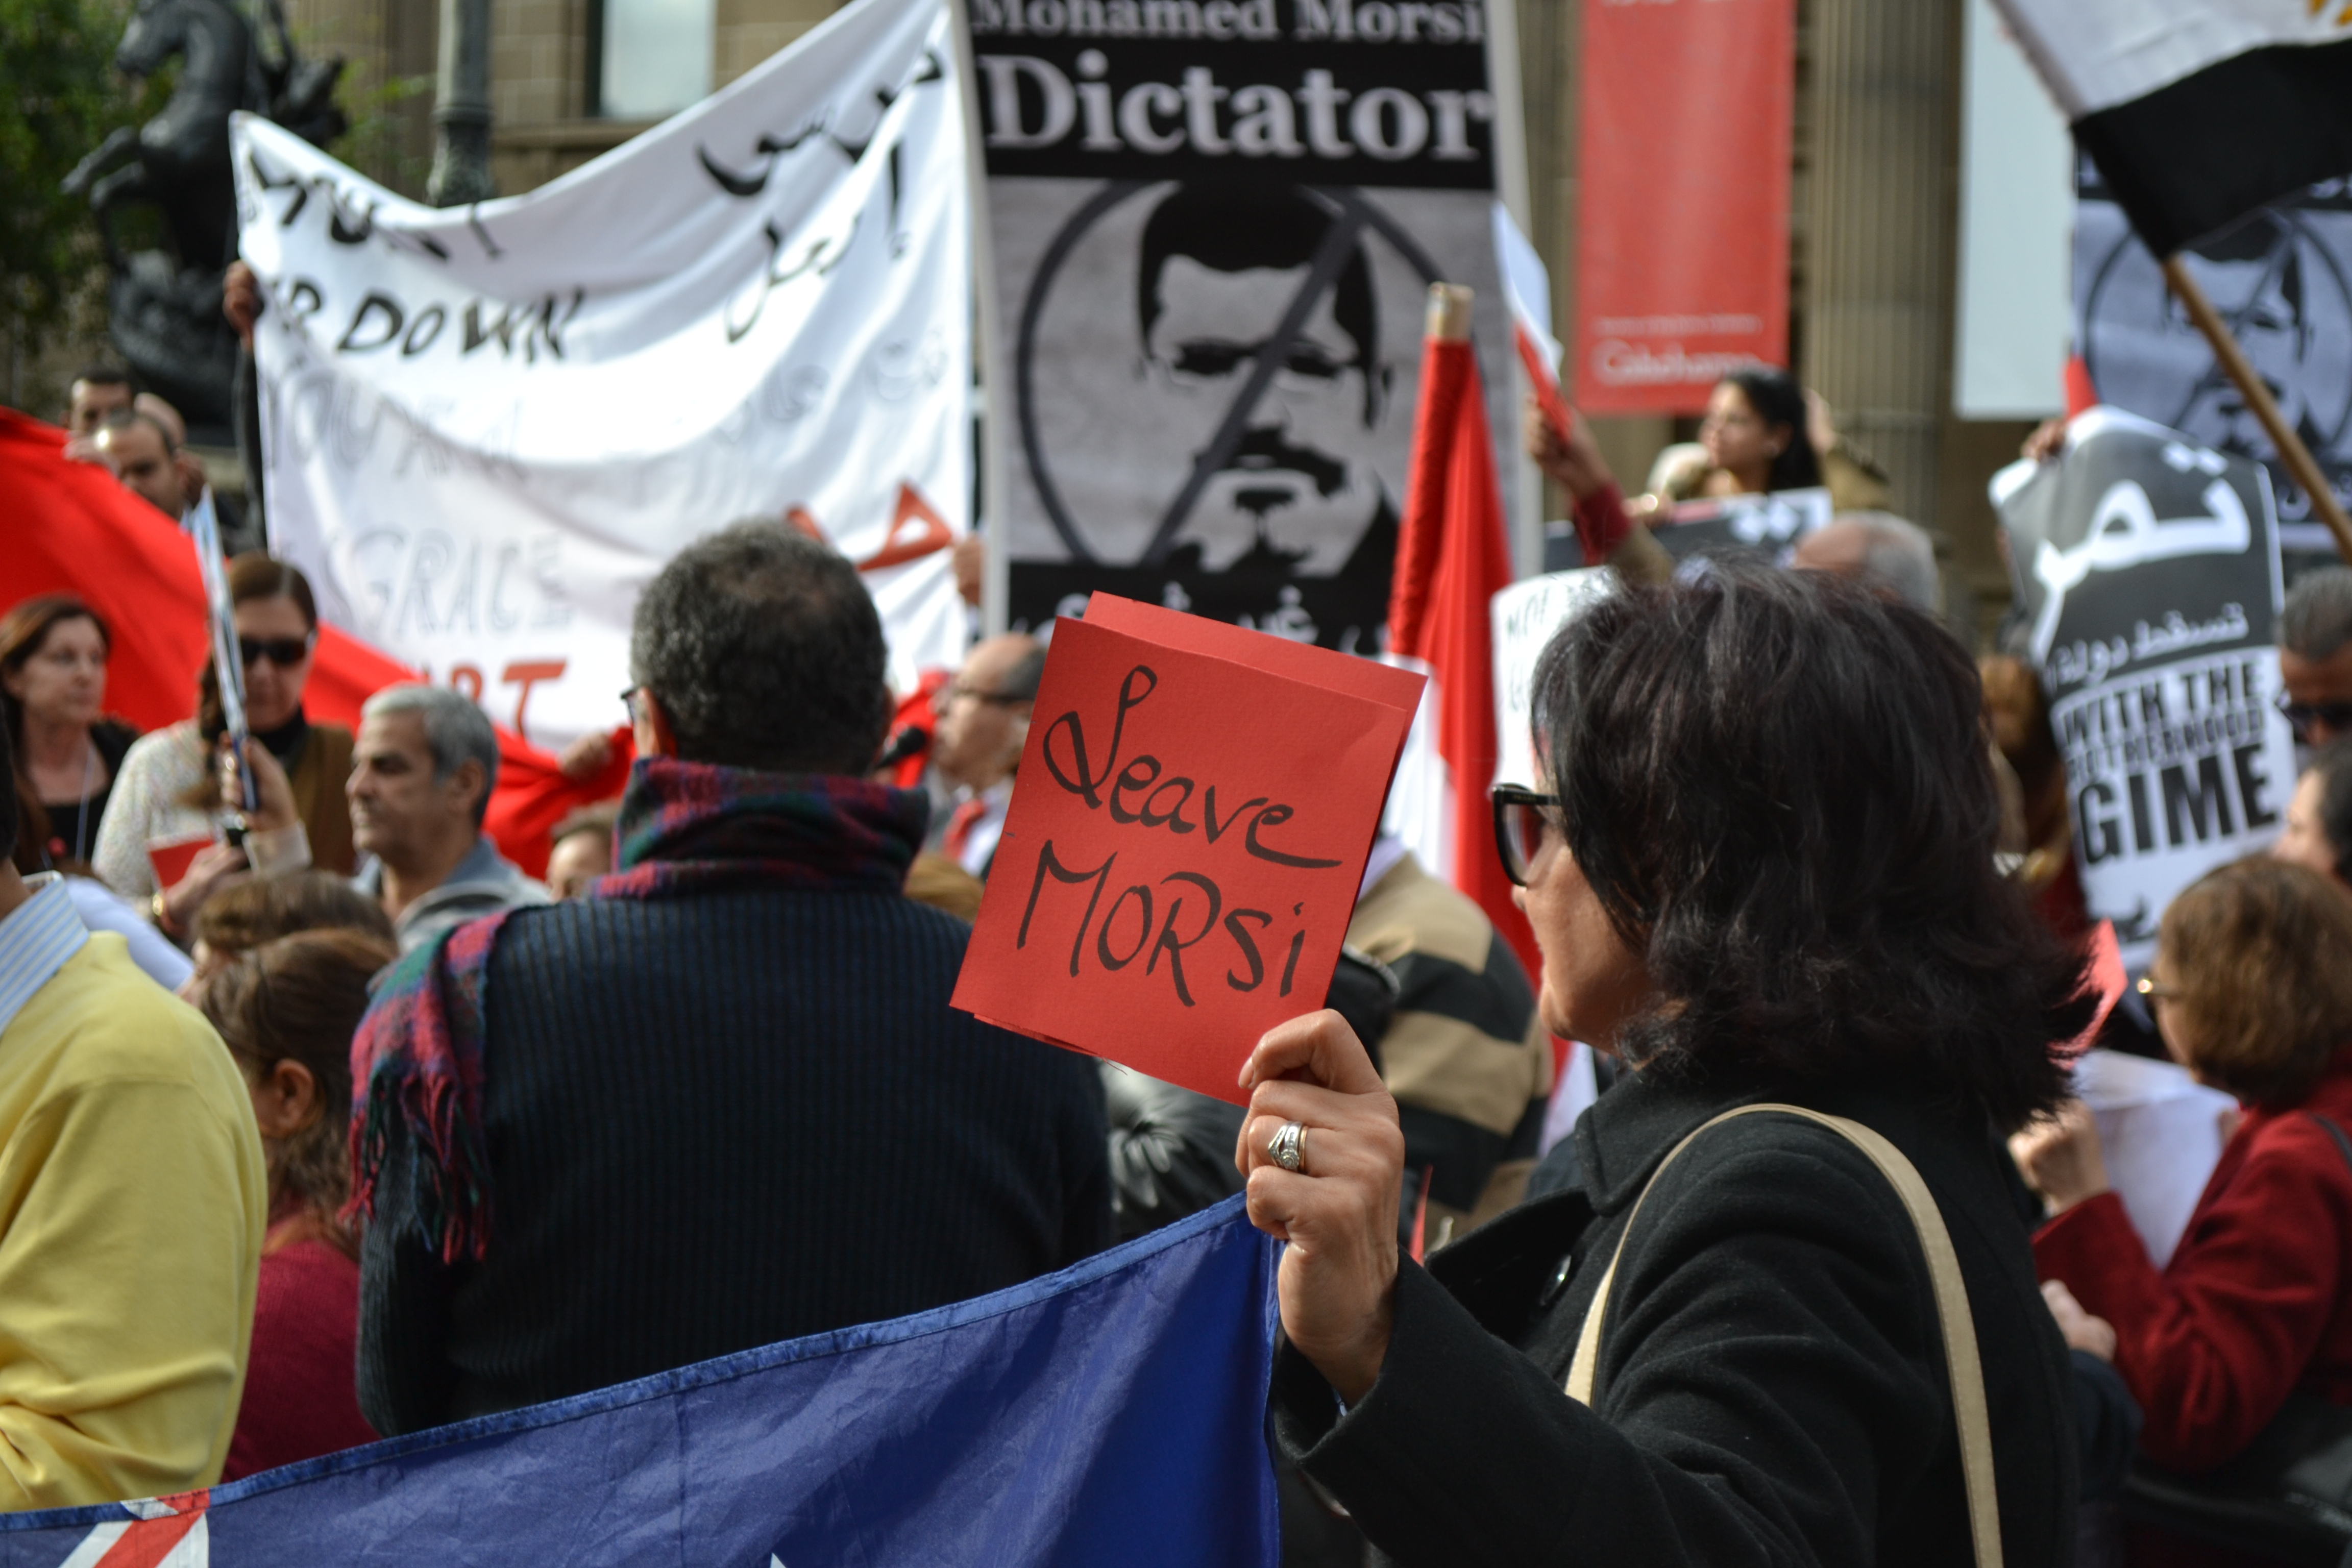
34 942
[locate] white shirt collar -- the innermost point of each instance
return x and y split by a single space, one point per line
36 940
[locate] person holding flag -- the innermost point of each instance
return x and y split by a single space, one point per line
163 843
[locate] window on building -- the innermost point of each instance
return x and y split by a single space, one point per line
654 56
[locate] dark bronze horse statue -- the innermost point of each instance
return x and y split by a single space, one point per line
166 315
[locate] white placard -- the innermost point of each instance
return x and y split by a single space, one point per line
1525 614
2014 323
2161 1132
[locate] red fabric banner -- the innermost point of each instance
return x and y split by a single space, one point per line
1681 259
70 529
1451 558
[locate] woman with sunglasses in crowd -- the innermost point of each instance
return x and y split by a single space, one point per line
1760 869
172 792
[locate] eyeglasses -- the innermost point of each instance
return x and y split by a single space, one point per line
629 701
2302 716
2155 991
1522 817
283 652
1001 699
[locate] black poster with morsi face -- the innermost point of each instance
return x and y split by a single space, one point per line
1213 227
2282 279
2149 566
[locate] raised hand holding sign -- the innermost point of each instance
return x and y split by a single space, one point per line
1186 842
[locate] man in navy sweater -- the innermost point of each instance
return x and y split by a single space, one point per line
722 1101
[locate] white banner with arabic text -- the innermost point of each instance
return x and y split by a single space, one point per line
486 428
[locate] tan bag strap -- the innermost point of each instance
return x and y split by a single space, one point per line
1951 1311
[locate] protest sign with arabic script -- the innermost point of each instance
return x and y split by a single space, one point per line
1186 841
2148 568
486 428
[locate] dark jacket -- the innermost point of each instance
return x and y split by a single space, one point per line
1772 1383
718 1121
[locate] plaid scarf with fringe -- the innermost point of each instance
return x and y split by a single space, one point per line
686 828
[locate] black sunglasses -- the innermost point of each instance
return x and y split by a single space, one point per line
2300 716
283 652
1521 818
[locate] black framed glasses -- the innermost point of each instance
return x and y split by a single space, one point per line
2302 716
954 690
283 652
1522 817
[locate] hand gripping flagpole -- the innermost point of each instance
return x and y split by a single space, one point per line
228 668
2257 394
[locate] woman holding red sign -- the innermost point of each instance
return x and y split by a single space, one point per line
1790 1314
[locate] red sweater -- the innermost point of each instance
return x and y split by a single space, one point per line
2257 1300
301 1396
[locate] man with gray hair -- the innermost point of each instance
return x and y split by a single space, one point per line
422 772
2315 638
1889 555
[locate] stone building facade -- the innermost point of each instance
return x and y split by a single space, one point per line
1875 191
1875 197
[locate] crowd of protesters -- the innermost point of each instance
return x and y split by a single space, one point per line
425 1138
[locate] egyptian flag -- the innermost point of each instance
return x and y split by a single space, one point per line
71 528
2198 111
1451 558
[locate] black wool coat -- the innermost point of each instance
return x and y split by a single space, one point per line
1771 1386
720 1122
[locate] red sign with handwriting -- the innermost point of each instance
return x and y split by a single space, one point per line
1187 835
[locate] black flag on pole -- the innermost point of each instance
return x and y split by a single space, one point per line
2198 111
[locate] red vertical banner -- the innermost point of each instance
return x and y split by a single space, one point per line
1682 265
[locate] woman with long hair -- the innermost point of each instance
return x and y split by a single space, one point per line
171 791
53 653
1760 869
1762 432
287 1010
1756 435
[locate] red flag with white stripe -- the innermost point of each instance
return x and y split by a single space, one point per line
1452 555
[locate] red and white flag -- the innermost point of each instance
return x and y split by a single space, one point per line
1453 556
73 530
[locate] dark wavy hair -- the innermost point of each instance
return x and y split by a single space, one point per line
1779 789
1777 398
766 652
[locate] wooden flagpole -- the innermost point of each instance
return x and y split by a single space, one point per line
2257 394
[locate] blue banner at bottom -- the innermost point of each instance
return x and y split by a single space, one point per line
1113 1413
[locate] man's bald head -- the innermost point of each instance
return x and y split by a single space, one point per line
1891 557
142 452
164 415
985 711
